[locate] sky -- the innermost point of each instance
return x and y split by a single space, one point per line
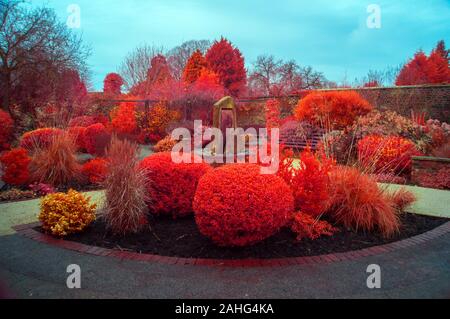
331 36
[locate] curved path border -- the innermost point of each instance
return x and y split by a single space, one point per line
27 230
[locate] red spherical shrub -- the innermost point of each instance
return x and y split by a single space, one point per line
95 170
307 227
40 138
83 121
96 139
16 167
77 133
386 153
172 186
332 110
6 129
357 202
235 205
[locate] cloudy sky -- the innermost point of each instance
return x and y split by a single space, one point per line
332 36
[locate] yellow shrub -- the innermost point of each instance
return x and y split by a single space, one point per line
165 145
66 213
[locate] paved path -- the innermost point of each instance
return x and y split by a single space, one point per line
31 269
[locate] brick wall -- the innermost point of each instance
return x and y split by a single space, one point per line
432 99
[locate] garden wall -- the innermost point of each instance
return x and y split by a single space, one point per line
434 100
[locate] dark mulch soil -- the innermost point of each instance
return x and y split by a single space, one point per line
181 238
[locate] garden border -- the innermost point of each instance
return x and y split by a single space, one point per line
28 231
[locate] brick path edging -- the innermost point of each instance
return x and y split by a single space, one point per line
27 230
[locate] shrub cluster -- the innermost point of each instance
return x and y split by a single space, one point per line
385 154
62 214
235 205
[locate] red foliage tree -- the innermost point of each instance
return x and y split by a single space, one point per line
426 70
228 62
194 67
112 84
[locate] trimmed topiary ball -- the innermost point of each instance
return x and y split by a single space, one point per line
172 186
235 205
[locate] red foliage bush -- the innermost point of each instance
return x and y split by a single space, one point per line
123 119
357 202
309 183
385 154
77 133
82 121
95 170
96 139
6 129
40 138
307 227
16 167
172 185
235 205
332 110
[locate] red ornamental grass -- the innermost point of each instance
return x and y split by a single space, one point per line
357 202
57 163
235 205
172 185
16 167
125 186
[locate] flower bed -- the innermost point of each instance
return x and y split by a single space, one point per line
181 238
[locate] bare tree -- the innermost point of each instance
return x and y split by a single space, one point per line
34 46
178 56
137 63
276 77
